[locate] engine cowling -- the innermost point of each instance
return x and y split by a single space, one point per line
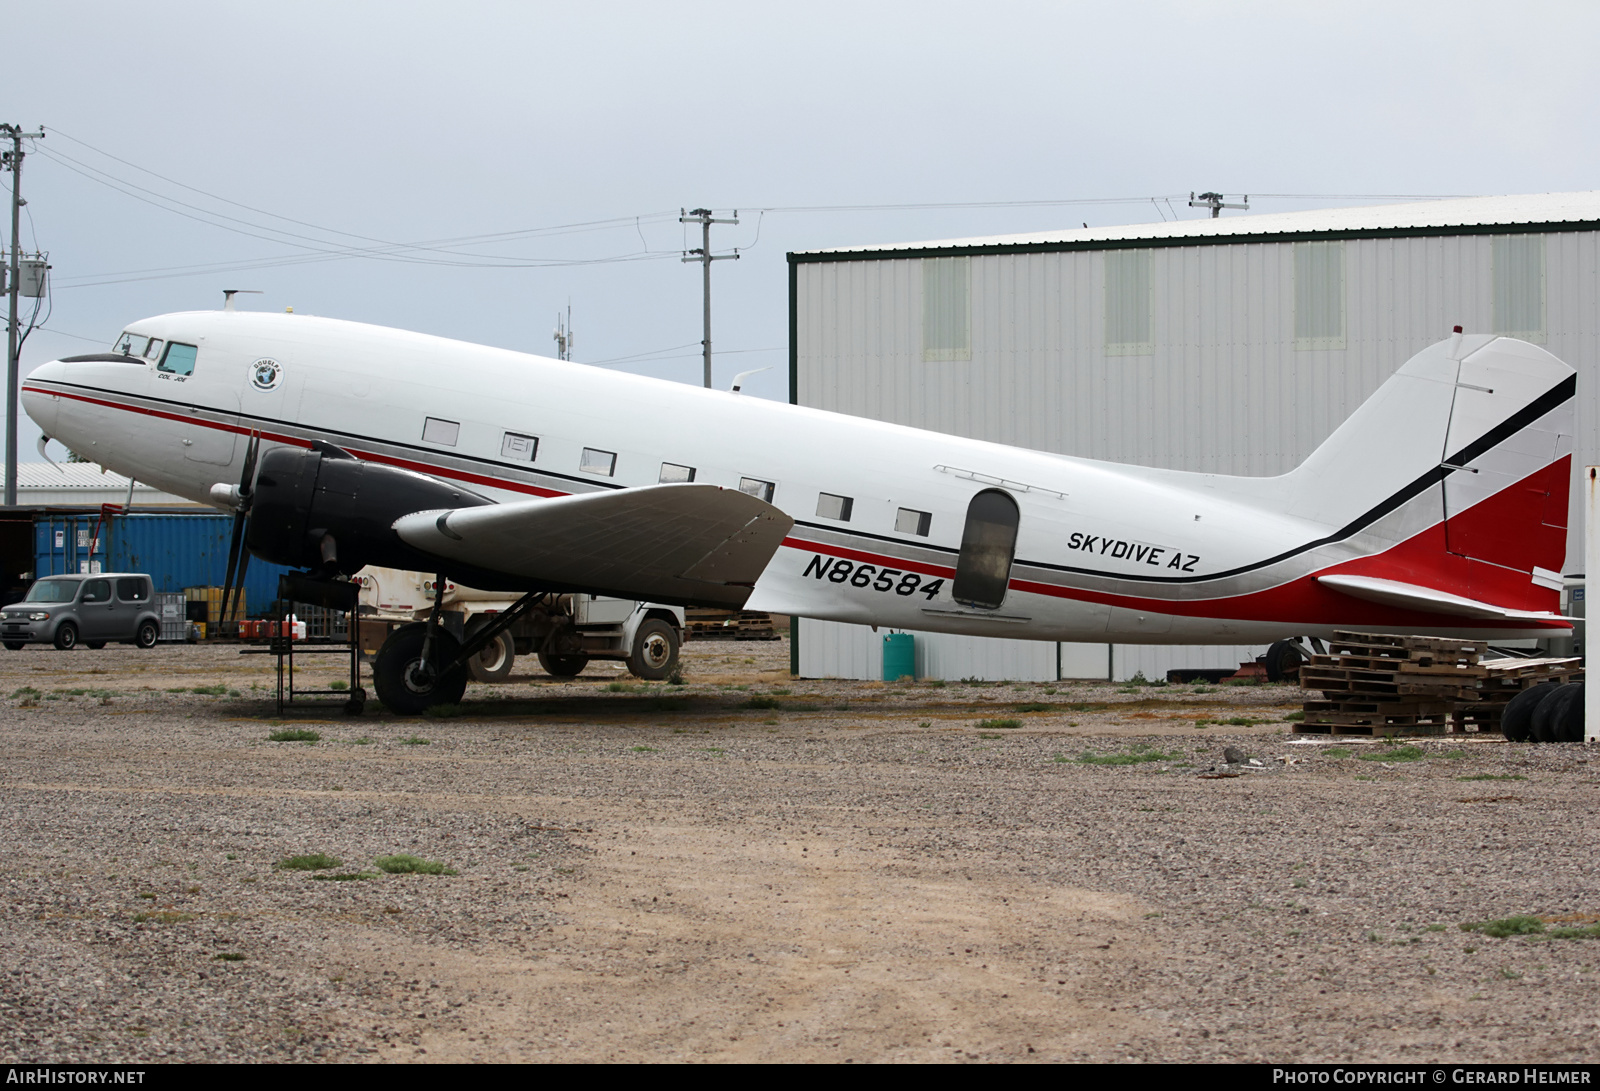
325 509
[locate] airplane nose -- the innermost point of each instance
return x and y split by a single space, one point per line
39 404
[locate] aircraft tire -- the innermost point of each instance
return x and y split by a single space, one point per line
1516 720
1550 714
1283 661
563 666
1571 726
67 636
399 688
655 651
494 662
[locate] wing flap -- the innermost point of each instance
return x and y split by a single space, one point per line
1412 596
682 543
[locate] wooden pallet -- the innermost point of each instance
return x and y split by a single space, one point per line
704 623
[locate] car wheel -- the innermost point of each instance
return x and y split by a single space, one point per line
67 636
149 633
405 683
563 666
94 645
655 651
13 646
493 663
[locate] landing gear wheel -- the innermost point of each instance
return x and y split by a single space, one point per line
655 651
94 645
563 666
149 633
67 636
1551 715
494 662
408 686
1283 661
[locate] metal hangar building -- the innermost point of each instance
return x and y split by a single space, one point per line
1229 346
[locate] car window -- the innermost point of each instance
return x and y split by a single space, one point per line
97 591
133 590
52 591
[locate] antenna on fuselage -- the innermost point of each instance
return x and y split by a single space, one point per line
229 293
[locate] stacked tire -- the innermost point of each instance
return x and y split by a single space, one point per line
1552 712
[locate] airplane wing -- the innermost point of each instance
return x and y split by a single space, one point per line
1410 595
680 543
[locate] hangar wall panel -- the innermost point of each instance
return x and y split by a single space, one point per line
1225 387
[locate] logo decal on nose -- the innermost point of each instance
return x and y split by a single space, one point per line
264 374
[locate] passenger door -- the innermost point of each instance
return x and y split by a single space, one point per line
988 546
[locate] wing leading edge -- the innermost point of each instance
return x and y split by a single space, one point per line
690 544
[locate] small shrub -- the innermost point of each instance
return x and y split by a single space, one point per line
339 684
676 678
762 702
1336 752
294 734
406 864
1295 717
1132 756
210 691
25 691
315 861
347 876
1033 706
415 740
994 725
620 687
228 956
1398 753
644 749
1508 926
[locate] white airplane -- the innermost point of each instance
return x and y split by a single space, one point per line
1440 506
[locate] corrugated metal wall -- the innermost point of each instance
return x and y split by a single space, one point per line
1224 388
177 551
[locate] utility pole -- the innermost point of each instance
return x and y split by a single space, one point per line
1215 202
705 257
13 160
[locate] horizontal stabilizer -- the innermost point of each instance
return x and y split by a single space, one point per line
684 543
1409 595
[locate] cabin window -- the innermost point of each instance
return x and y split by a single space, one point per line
672 473
946 309
603 463
1319 295
1519 303
830 506
519 447
1127 303
761 490
443 432
909 521
988 545
179 359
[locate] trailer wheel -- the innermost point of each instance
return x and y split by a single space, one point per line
406 685
563 666
655 651
493 663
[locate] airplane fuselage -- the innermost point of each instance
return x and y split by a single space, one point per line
1102 552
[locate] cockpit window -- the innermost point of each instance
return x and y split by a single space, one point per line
132 344
179 359
154 351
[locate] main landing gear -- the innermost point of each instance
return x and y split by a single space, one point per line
421 665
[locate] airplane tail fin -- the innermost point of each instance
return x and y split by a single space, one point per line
1460 467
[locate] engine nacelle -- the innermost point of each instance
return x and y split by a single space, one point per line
325 509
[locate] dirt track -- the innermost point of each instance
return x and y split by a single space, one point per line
861 873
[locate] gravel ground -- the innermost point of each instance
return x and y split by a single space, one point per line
754 868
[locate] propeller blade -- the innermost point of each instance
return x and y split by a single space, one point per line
234 554
247 479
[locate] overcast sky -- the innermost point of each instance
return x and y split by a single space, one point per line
358 126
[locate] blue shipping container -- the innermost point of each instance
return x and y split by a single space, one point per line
177 551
